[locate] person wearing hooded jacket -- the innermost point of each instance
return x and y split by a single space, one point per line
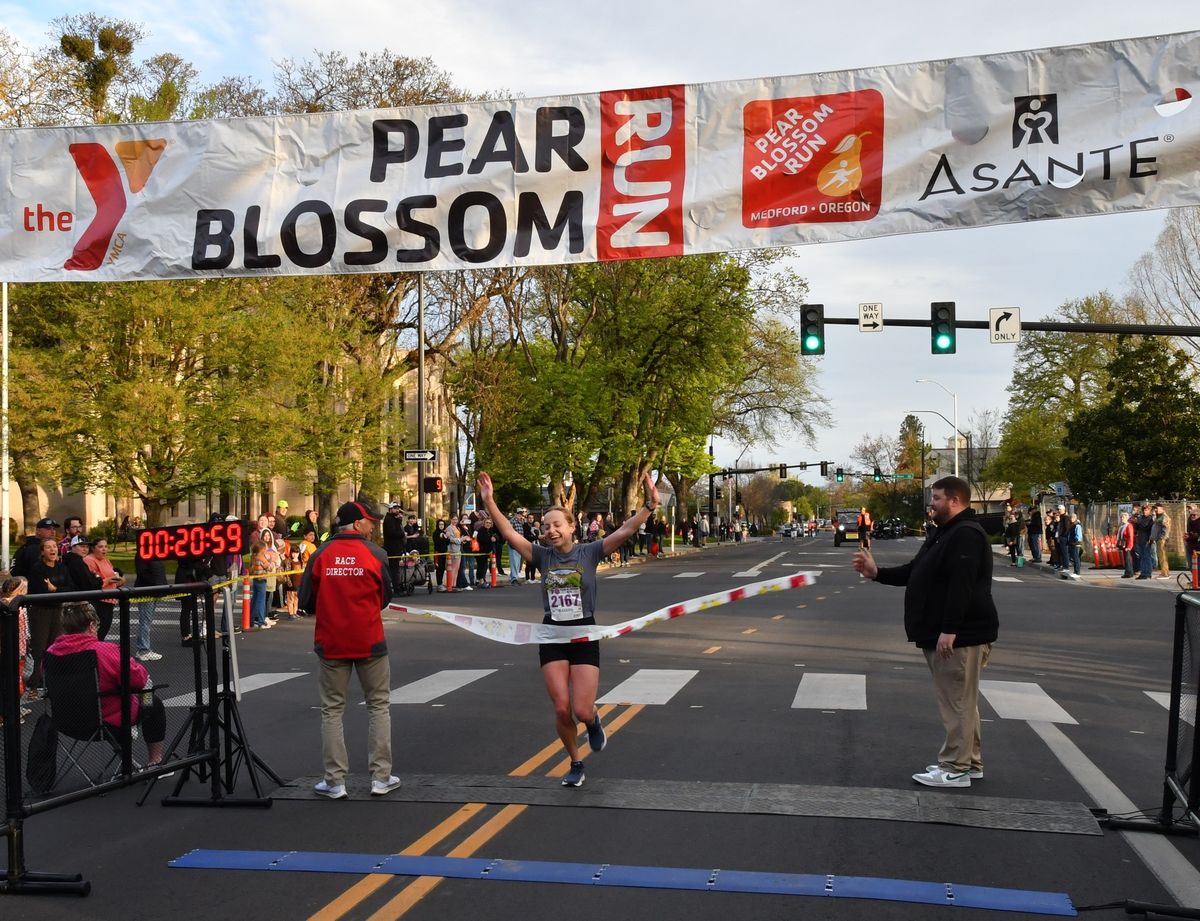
346 585
950 616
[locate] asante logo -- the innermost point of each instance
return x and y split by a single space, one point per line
1035 120
103 181
812 159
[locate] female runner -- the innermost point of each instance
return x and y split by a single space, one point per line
571 671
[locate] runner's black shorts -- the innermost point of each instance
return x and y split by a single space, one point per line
576 653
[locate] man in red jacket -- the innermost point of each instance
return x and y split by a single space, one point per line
346 585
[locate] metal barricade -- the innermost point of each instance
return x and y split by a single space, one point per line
208 736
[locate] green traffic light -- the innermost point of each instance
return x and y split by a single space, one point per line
812 343
943 341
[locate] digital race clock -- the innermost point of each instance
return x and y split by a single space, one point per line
192 541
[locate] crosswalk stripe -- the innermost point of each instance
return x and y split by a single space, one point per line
245 684
688 575
431 687
649 686
624 575
1005 579
831 692
1023 700
756 570
1187 704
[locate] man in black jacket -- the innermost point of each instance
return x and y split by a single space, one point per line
949 614
394 540
31 551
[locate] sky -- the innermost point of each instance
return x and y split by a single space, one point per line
536 47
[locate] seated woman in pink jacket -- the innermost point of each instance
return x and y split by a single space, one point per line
80 623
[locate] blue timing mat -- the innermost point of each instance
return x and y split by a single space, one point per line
590 874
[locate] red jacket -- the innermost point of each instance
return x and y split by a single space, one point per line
108 659
346 585
1125 536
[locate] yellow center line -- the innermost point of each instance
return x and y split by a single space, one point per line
777 617
750 630
370 884
711 649
399 905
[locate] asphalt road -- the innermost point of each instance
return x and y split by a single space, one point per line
743 701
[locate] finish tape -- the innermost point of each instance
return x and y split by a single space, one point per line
521 633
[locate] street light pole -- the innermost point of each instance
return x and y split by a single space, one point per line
926 380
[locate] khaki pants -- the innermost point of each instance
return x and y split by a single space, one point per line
1164 562
375 677
956 685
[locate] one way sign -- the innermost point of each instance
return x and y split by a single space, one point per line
1004 325
870 318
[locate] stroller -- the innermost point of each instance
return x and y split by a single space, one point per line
414 572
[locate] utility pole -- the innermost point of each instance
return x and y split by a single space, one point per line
421 398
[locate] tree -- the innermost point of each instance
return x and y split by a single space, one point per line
98 54
984 429
1167 279
1031 452
627 367
1055 375
1141 440
160 390
1063 372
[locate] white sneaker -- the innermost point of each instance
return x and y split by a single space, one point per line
940 777
332 791
149 656
384 787
973 773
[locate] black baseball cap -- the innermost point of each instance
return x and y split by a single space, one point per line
47 523
351 512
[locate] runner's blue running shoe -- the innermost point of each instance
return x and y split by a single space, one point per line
597 737
574 776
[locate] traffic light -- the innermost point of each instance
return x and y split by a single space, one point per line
941 327
720 495
841 475
825 469
878 475
783 471
431 484
812 329
737 497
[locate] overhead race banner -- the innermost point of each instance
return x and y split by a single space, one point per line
658 171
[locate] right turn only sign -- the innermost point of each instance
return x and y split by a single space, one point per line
1004 324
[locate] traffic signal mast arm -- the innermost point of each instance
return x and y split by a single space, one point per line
774 468
1131 329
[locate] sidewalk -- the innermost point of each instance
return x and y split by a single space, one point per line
1102 578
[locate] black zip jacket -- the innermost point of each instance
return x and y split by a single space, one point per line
948 586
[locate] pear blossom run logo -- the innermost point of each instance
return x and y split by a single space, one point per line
812 159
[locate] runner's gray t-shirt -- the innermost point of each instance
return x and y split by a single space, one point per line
569 582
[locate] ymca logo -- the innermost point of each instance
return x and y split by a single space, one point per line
103 180
1035 120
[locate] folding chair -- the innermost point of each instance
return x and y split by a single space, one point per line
73 690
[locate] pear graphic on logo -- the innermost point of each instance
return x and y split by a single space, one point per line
843 174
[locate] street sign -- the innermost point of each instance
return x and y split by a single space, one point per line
902 476
1004 325
425 454
870 318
